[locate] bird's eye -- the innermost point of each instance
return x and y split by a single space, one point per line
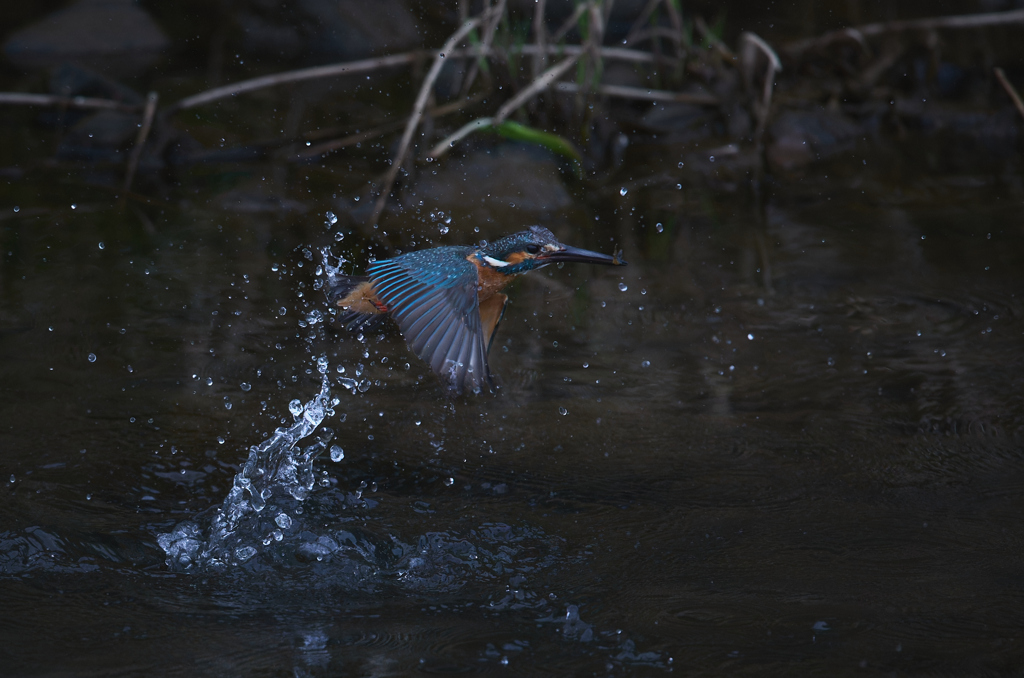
533 249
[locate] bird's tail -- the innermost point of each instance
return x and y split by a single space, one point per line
342 287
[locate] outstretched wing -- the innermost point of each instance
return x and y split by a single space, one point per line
432 295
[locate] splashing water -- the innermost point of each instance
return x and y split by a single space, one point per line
276 466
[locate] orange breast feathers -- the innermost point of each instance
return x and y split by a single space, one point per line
490 280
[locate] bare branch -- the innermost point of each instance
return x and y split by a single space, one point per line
485 44
352 139
1010 89
540 38
140 140
570 23
617 53
443 146
23 99
641 19
751 44
645 94
960 21
538 85
328 71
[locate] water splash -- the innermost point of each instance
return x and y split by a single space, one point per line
276 468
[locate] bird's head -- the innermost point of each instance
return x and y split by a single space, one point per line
537 247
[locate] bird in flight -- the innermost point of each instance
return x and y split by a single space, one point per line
447 301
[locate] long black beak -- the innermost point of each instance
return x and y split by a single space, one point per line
576 255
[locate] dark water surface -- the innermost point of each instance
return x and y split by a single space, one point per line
787 439
776 449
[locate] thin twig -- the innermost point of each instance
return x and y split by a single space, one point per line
753 42
350 140
497 11
140 140
645 94
358 137
676 19
655 32
958 21
1010 89
540 38
617 53
542 83
417 112
328 71
444 145
640 20
24 99
570 22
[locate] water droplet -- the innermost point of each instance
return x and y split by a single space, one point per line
623 191
246 386
623 287
274 268
102 246
646 363
16 209
282 311
12 477
831 362
331 219
321 364
562 411
448 482
337 454
712 158
295 407
74 206
680 163
750 337
283 521
209 381
88 497
220 440
92 357
244 553
586 365
227 404
659 228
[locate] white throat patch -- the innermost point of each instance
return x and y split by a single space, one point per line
497 263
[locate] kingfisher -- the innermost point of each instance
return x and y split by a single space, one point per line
447 301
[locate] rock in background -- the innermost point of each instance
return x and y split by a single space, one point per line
115 37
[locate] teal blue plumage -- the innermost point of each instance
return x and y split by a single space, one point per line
447 300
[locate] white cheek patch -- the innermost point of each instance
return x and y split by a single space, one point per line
497 263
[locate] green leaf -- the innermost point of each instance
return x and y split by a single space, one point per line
552 142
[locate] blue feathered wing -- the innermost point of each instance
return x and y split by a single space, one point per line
432 295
